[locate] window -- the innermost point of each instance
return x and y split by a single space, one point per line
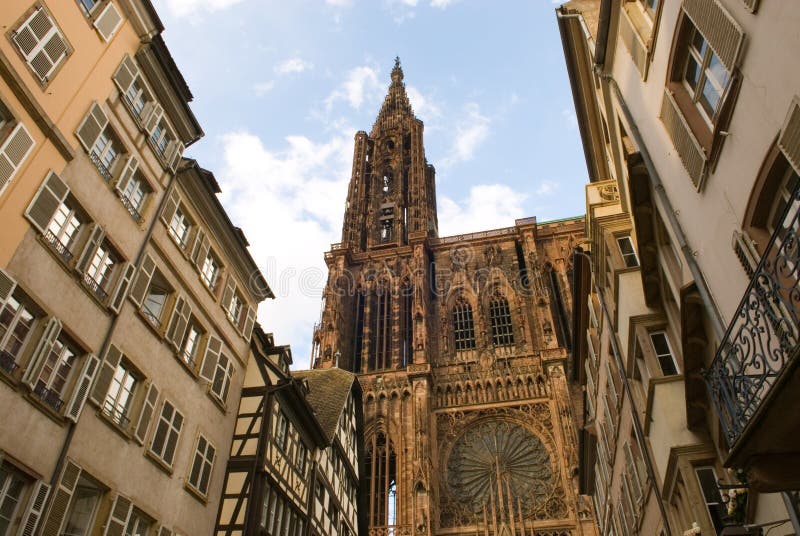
650 7
101 270
136 96
300 460
500 315
281 430
210 271
134 192
155 300
16 323
704 74
12 487
41 44
179 228
82 508
663 353
717 510
235 307
202 464
789 181
55 373
105 153
167 433
88 5
63 230
463 326
191 344
222 378
161 137
138 525
627 251
15 146
117 405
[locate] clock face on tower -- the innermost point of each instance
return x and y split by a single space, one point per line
496 463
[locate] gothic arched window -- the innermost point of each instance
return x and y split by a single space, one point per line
358 343
381 476
500 316
406 323
381 336
463 326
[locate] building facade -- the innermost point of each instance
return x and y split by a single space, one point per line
685 324
127 297
460 346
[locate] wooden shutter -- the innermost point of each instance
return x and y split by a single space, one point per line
633 42
689 149
154 117
127 174
82 387
222 377
96 236
200 240
61 499
41 43
789 140
722 32
249 322
118 517
13 152
108 21
7 286
147 413
175 158
213 349
51 331
142 281
126 74
51 194
227 295
178 322
125 276
171 206
35 509
92 126
105 374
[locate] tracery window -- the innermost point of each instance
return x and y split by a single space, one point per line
463 326
380 356
381 472
500 316
358 344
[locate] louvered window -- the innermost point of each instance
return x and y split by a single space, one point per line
463 326
12 488
16 144
502 328
41 44
86 497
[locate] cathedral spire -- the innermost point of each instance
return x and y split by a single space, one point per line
396 106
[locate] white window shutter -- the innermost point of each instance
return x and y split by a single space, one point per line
13 152
105 374
719 28
222 378
126 74
7 287
227 295
171 206
249 322
92 126
35 509
96 236
51 194
118 517
213 350
178 322
51 331
61 499
125 278
154 117
108 21
196 256
147 413
127 174
142 281
82 387
41 43
789 140
175 158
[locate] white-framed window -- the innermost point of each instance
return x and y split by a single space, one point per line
137 96
161 136
168 431
627 251
210 271
156 299
190 348
134 194
82 508
179 227
300 458
12 489
663 352
704 75
118 401
55 373
235 308
17 320
281 430
106 150
202 465
101 269
222 378
64 228
650 7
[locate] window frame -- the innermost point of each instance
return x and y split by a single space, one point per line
179 218
626 256
204 460
171 430
27 58
671 354
462 321
36 317
124 418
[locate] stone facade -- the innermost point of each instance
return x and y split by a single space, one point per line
460 345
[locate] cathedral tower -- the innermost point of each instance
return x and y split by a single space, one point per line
460 346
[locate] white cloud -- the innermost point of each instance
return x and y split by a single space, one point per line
182 8
442 4
489 206
360 85
570 118
424 107
546 188
340 3
470 132
293 65
262 88
290 202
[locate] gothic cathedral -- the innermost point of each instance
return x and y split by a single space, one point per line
460 345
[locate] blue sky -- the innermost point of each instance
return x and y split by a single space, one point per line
281 87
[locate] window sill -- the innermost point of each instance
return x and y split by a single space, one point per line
158 462
195 493
190 369
219 403
38 403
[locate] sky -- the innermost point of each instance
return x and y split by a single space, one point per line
282 86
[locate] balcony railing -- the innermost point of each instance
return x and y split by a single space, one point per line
57 246
134 212
101 167
391 530
48 396
762 339
8 362
95 287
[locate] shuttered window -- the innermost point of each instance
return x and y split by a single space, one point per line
17 320
202 465
119 399
41 43
14 150
222 378
168 431
108 21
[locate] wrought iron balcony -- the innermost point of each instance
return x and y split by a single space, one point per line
101 167
760 347
134 212
56 245
8 362
95 287
48 396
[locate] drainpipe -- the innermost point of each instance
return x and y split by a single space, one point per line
107 339
637 425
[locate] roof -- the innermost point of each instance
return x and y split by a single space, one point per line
328 390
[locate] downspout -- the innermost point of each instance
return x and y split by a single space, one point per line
107 339
637 425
